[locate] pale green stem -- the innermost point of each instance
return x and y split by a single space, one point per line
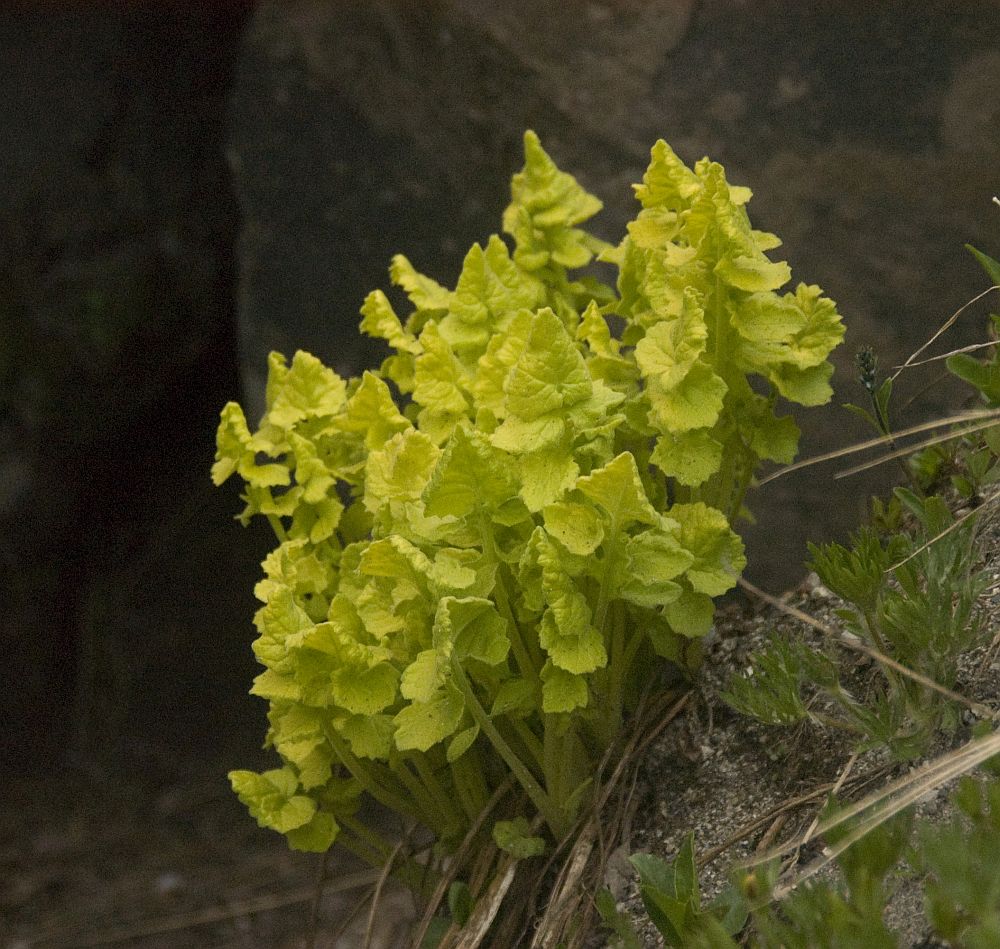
603 594
444 800
392 797
432 813
277 527
530 741
630 650
469 784
524 777
528 664
613 721
553 770
375 841
566 770
606 725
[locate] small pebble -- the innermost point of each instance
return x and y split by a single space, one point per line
168 884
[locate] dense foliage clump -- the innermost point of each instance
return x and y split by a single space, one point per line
482 543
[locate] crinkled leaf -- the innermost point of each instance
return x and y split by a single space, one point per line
317 836
282 624
718 552
421 725
788 334
424 293
568 637
695 402
805 386
297 733
379 321
523 436
490 288
668 182
308 390
775 438
438 385
501 354
370 736
562 691
372 413
322 518
549 376
618 489
472 628
691 457
670 348
237 452
424 676
594 330
400 471
566 632
690 614
274 687
655 560
546 476
753 273
471 475
578 527
546 204
271 798
311 473
365 691
293 565
451 573
398 558
655 229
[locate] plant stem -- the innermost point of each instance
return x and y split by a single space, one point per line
530 741
553 771
612 723
528 663
567 748
427 776
525 778
369 837
630 652
432 812
380 788
469 783
604 593
277 527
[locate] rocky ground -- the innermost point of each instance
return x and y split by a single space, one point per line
164 856
743 787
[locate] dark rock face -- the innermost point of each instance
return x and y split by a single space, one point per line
132 241
870 139
117 310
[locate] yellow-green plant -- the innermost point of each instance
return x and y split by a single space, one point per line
482 544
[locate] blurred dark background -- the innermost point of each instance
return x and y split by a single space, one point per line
187 186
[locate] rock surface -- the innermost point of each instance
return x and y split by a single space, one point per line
871 141
126 590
